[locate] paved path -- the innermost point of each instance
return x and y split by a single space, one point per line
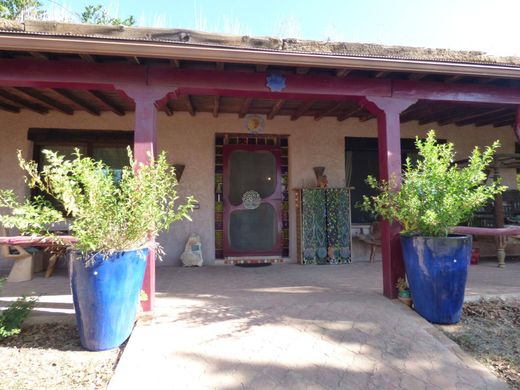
289 327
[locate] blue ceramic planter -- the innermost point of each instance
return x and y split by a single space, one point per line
106 295
437 269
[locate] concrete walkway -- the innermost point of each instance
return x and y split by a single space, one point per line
292 327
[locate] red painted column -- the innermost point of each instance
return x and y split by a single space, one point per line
387 111
516 127
145 148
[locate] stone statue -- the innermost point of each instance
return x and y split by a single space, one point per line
192 255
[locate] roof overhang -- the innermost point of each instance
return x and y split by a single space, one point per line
198 52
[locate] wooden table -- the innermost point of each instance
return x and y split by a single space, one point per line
61 243
499 233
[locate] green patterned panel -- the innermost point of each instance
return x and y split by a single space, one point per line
338 225
314 240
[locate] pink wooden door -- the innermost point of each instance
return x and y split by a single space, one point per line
252 201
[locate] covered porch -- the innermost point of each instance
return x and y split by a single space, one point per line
178 97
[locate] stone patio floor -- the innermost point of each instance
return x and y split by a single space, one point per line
286 327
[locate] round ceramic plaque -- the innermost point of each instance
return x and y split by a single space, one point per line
254 124
251 199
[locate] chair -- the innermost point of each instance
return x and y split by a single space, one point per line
22 270
373 238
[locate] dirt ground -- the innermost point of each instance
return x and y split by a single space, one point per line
490 331
49 356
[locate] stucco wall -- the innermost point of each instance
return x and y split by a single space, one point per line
190 140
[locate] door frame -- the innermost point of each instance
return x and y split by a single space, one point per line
275 200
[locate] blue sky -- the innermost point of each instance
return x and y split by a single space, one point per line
485 25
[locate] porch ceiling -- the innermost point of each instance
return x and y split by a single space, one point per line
44 100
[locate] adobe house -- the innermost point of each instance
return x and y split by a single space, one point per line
351 108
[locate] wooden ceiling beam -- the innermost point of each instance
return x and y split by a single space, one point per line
244 108
276 108
134 60
38 55
417 76
9 107
302 70
452 79
79 101
348 113
220 66
261 67
175 63
509 122
470 118
115 107
302 109
216 106
342 72
496 119
35 94
168 109
87 57
23 102
439 114
382 75
328 111
189 104
366 117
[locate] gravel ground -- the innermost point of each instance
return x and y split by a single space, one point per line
49 356
490 331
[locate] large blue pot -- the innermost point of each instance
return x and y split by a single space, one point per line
106 294
437 269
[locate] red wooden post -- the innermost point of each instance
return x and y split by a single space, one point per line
387 111
517 124
145 149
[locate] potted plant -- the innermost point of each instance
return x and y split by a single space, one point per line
403 292
113 217
435 195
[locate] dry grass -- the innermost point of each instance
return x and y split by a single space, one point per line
490 331
49 356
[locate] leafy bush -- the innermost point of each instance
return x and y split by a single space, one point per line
104 214
435 194
11 319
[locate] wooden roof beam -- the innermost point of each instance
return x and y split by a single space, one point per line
452 79
350 112
470 118
261 67
342 72
216 106
276 108
38 55
440 114
9 107
328 111
189 105
496 119
23 102
417 76
246 103
302 109
505 123
220 66
168 109
79 101
302 71
35 94
87 57
134 60
382 75
114 107
175 63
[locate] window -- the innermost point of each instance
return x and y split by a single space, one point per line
107 146
361 160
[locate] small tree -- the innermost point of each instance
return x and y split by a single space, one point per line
436 194
97 14
21 10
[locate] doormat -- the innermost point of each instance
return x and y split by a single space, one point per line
253 265
261 261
